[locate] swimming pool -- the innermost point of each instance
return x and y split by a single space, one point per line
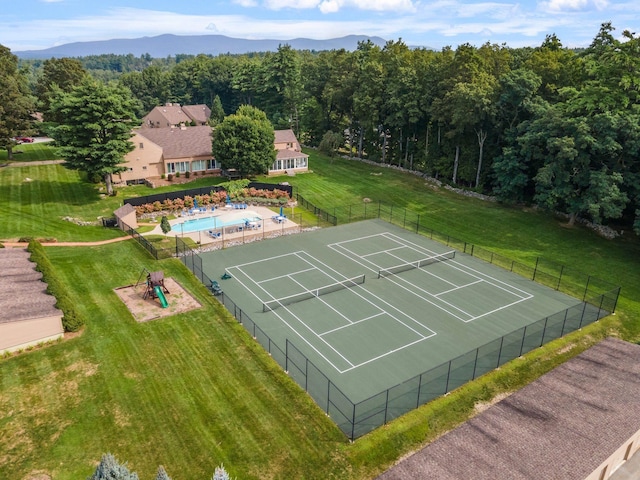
215 223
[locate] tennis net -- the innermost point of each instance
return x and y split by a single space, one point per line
384 272
307 294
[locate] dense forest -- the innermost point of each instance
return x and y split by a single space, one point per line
551 126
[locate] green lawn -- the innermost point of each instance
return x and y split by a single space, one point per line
30 152
194 390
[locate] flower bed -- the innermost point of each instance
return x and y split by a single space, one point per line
246 195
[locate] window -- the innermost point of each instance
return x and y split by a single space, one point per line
144 167
141 145
175 167
213 164
198 165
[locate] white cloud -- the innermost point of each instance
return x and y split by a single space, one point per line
333 6
573 5
246 3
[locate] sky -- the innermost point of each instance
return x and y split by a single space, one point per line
39 24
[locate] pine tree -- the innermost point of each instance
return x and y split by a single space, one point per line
110 469
162 474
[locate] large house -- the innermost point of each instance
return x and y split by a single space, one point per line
174 115
173 150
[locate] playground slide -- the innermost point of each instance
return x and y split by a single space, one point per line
161 297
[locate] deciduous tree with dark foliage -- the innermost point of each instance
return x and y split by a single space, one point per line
94 137
244 141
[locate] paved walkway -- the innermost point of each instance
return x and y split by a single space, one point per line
35 163
67 244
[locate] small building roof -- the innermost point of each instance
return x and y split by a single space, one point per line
23 294
563 425
286 136
177 143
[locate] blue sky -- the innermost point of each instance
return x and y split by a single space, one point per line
37 24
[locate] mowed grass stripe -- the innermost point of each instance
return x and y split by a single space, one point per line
201 380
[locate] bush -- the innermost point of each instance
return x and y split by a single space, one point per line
177 174
162 176
170 177
165 225
71 320
187 174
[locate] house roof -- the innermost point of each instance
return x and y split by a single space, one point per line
22 293
180 142
175 114
198 113
563 425
286 136
286 153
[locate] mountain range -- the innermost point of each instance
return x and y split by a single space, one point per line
163 46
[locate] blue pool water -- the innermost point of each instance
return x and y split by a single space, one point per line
211 223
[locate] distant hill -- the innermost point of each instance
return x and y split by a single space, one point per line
170 45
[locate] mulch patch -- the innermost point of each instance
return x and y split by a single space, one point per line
150 309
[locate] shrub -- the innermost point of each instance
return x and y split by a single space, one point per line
165 225
170 177
157 206
71 320
162 176
187 174
177 174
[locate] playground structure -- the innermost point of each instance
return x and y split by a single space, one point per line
155 287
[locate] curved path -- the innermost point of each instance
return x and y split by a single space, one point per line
67 244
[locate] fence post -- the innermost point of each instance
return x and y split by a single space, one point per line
418 224
586 288
475 364
535 269
386 407
560 277
500 351
286 355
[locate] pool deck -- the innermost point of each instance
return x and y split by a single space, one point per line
268 227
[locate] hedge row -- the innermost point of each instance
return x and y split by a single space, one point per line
71 320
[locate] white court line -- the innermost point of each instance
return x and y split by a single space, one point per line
383 301
397 283
390 352
457 288
288 275
300 255
382 312
466 269
381 251
295 317
498 284
323 301
264 260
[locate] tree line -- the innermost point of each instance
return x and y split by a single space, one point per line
548 125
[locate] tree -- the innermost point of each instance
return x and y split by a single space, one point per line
244 141
62 73
94 137
110 469
16 105
330 143
220 474
217 112
162 473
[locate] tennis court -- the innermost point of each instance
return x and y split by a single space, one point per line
372 305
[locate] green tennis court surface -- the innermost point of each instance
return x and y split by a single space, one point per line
372 305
